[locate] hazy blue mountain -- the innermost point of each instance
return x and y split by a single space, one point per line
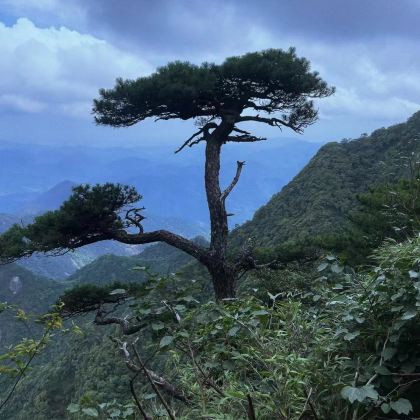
35 178
60 267
28 291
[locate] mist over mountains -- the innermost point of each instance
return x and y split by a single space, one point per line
35 179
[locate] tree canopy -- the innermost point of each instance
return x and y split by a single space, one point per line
270 81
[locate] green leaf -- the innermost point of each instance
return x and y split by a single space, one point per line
413 274
353 394
382 370
322 266
189 299
402 406
118 292
386 408
335 268
233 331
411 313
351 335
370 392
389 353
73 408
139 268
156 326
260 312
128 412
115 412
91 412
228 365
166 341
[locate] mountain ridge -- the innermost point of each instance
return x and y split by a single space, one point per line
318 199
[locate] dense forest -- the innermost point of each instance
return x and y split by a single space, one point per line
308 311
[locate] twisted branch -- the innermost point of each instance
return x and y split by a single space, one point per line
191 142
127 329
136 219
235 180
274 122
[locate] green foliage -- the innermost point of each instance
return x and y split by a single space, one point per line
34 296
183 90
342 340
105 411
390 211
277 355
159 258
378 314
88 297
87 216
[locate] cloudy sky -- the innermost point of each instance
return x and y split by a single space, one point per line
56 54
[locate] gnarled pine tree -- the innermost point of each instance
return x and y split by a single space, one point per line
272 87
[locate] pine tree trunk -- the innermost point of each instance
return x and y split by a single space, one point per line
221 271
224 281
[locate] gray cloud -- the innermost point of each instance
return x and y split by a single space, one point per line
367 49
50 69
187 27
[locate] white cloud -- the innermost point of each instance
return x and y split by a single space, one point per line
21 103
374 79
57 69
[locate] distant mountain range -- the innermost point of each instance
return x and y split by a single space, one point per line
61 267
34 179
37 178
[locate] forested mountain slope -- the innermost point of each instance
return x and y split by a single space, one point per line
318 200
28 291
159 258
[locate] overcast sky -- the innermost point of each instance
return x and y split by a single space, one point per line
56 54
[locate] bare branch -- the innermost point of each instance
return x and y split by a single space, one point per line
274 122
204 130
246 260
127 329
136 219
154 379
235 180
188 141
238 130
158 380
136 399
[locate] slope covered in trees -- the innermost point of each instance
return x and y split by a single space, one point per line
319 199
27 291
159 258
